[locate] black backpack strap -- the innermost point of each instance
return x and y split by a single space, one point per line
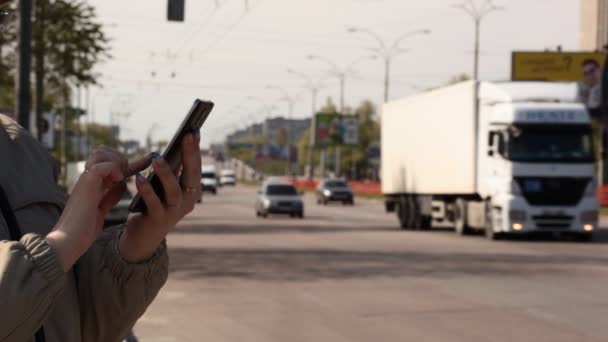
15 235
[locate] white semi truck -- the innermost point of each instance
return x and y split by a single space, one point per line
519 160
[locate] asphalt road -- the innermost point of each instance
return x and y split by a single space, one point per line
348 274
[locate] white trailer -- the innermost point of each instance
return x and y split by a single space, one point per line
519 160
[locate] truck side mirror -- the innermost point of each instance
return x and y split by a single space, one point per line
491 143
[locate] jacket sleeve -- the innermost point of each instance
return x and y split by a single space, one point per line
31 278
113 293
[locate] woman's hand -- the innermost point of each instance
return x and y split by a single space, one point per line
98 189
145 232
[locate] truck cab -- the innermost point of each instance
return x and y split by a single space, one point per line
536 167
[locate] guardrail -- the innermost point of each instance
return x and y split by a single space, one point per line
359 187
602 195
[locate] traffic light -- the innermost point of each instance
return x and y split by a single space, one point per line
176 10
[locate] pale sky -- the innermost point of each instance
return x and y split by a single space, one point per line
228 55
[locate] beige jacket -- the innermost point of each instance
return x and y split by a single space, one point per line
99 299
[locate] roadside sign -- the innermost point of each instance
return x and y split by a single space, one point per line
336 129
552 66
350 130
585 68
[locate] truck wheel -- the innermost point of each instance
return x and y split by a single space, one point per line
416 217
426 222
460 217
489 231
403 213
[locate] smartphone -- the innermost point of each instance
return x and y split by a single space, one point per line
172 155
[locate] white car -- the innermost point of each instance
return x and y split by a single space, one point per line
209 180
227 177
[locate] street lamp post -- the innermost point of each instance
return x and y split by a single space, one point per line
388 52
341 74
314 88
290 104
477 13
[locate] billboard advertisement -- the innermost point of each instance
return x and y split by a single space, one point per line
335 129
585 68
552 66
242 151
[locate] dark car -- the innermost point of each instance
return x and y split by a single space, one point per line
334 190
276 197
119 213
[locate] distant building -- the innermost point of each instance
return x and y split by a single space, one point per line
593 24
293 127
270 128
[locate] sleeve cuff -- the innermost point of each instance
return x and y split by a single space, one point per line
45 260
154 269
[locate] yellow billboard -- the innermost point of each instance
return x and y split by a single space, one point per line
553 66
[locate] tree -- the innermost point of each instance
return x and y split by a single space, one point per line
352 157
369 129
73 43
7 55
329 107
452 80
458 78
282 137
369 134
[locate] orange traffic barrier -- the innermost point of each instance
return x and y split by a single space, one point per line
359 187
602 195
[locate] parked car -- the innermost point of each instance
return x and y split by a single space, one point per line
209 179
227 177
334 190
278 197
119 213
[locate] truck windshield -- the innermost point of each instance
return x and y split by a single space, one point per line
549 144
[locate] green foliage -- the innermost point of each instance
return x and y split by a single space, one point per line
458 78
453 80
281 138
73 43
351 156
329 107
7 57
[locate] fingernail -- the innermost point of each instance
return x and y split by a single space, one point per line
139 178
155 155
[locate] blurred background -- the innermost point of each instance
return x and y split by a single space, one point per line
349 141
